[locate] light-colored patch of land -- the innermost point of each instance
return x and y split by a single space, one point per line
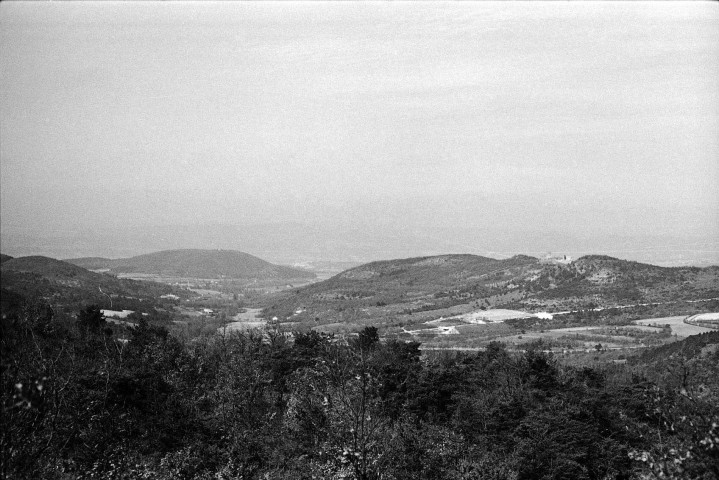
433 331
677 324
138 276
189 312
246 320
708 320
575 329
446 322
492 315
116 313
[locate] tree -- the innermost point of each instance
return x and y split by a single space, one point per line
367 339
91 318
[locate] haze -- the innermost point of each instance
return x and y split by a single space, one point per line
364 130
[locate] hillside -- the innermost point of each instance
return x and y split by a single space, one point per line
403 286
92 263
423 275
196 264
607 281
451 284
52 280
4 258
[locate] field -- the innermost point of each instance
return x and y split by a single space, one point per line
246 320
476 329
679 327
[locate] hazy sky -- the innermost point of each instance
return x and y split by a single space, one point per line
587 117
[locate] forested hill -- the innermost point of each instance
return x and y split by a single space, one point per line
38 277
196 263
428 274
393 287
4 258
611 280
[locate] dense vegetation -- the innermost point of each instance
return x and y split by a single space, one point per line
84 399
58 282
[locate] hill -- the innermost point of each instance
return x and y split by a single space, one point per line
607 281
404 286
446 285
687 349
92 263
194 263
4 258
423 274
59 282
46 267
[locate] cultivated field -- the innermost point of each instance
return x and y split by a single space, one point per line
246 320
677 324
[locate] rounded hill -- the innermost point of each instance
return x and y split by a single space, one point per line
64 283
197 263
45 266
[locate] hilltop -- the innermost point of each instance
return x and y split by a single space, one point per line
195 263
92 263
38 277
46 267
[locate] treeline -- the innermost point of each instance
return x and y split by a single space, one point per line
84 399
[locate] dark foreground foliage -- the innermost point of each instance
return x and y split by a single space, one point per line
82 399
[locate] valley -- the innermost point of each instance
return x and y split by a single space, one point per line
437 340
443 302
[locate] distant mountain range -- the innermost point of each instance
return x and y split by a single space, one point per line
350 240
195 263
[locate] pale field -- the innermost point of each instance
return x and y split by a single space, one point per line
246 320
677 325
604 335
492 315
436 331
116 313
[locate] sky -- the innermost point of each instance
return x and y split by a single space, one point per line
511 118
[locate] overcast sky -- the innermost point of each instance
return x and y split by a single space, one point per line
587 117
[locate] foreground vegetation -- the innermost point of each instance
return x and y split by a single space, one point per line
85 399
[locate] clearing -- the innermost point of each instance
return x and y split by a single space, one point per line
246 320
677 325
